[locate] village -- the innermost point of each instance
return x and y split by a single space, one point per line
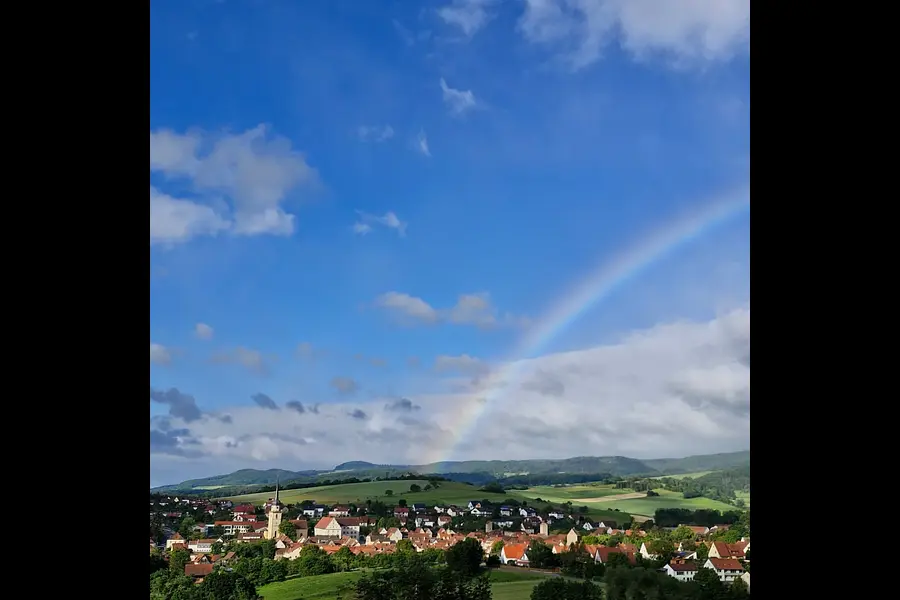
505 540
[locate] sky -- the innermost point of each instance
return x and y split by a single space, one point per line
405 232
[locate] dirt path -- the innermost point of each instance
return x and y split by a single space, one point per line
628 496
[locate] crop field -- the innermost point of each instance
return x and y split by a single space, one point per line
448 492
572 493
647 506
340 586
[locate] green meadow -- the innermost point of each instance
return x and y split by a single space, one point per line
685 475
572 493
340 586
666 499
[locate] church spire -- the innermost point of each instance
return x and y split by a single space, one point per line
276 491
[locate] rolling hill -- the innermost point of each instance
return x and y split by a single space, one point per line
475 471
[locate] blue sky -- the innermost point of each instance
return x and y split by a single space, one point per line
343 193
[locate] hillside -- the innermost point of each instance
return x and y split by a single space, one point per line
477 471
703 462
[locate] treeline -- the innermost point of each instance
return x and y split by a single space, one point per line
720 485
673 517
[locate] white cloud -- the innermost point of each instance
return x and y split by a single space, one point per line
687 31
160 355
240 183
388 219
252 360
470 309
458 101
672 390
422 143
375 133
460 364
469 15
204 331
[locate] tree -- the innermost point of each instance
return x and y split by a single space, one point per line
217 548
289 529
226 585
738 590
709 584
186 529
702 552
682 533
415 488
540 555
561 589
496 548
216 531
388 492
313 561
618 559
177 560
343 559
401 502
405 546
465 557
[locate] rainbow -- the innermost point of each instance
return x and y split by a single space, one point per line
600 283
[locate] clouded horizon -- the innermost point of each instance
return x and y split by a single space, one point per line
368 223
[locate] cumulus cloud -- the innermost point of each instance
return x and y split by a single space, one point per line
204 331
388 220
470 309
673 390
264 401
238 184
457 101
160 355
701 31
468 15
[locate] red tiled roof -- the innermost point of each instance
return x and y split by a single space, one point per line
683 567
198 569
726 564
514 551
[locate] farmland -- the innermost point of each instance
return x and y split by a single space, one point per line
340 586
601 499
447 492
745 496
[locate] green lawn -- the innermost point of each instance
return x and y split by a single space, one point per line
339 586
666 499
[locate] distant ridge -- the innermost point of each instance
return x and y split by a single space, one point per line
480 470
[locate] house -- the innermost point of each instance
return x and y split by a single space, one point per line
236 527
316 510
681 570
245 517
527 511
197 571
454 511
473 504
482 511
175 539
250 536
401 511
419 507
728 569
393 534
242 509
505 511
514 554
302 527
604 552
645 551
557 514
697 529
723 550
336 527
201 546
339 511
443 520
606 525
571 537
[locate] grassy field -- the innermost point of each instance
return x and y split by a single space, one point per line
745 496
448 492
339 586
666 499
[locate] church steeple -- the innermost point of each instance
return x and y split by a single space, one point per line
276 492
275 516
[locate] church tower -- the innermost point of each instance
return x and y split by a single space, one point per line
275 515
